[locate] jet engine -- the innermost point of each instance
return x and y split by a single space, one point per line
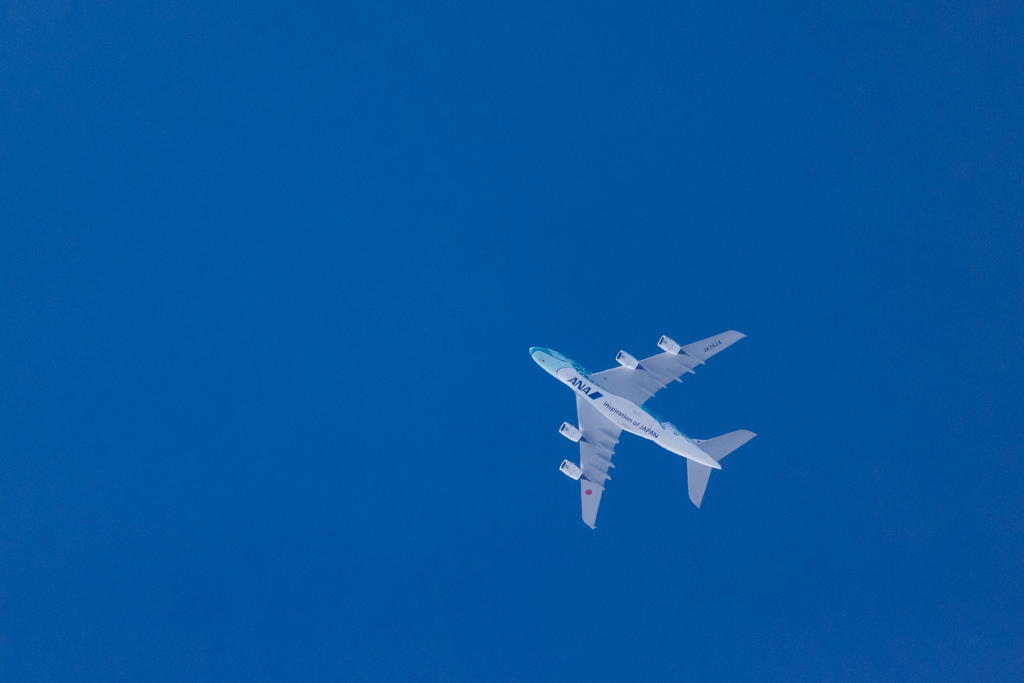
669 346
626 360
570 470
569 432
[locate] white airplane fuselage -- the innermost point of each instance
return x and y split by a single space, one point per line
621 412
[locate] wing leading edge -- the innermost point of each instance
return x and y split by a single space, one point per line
597 446
657 372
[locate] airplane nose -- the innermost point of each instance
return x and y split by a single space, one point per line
552 361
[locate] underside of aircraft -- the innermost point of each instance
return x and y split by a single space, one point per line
612 401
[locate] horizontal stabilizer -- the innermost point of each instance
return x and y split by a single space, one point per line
697 474
697 478
721 446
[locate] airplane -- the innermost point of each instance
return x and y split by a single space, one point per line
611 401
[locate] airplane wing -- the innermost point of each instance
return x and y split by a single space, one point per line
657 372
596 448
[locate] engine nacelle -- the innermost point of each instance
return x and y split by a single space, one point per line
669 346
570 470
626 360
569 432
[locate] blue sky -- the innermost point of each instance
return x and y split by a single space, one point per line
270 278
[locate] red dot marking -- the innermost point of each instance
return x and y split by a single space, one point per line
589 492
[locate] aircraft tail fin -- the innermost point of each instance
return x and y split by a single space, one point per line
697 474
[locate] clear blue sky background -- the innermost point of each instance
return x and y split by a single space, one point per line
270 274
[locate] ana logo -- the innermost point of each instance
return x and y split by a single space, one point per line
584 389
578 383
